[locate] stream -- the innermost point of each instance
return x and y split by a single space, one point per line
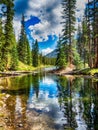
44 101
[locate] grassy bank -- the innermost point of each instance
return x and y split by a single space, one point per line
22 69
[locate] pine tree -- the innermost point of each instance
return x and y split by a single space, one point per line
28 54
91 15
36 54
23 45
40 59
10 41
32 53
14 58
61 58
69 7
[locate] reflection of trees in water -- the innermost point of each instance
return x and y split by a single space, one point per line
17 90
79 101
91 104
16 85
96 105
65 88
35 83
83 107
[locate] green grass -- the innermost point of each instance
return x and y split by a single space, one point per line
93 71
24 67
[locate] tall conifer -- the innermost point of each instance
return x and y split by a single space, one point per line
10 41
61 58
23 45
35 54
69 7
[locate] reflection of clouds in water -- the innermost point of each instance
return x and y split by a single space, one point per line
48 88
79 109
43 105
47 101
48 81
43 100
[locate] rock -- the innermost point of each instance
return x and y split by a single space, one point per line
7 95
20 125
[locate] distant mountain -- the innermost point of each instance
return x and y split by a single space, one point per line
52 54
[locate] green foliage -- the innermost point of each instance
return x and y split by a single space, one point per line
61 58
69 7
23 47
48 61
14 58
61 62
28 54
8 37
22 66
40 59
77 60
35 54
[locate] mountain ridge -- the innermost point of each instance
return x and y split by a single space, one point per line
52 54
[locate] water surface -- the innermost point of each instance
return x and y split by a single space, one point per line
48 102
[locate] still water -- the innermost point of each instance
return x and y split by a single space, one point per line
48 102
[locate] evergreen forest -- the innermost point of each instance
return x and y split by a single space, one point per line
76 46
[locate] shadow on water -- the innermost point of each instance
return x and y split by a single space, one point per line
48 102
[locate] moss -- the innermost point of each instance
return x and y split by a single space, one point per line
93 71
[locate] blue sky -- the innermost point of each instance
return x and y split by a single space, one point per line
42 19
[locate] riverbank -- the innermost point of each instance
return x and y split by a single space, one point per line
24 71
72 71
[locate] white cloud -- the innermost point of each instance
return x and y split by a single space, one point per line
50 15
17 28
38 31
81 4
80 8
46 51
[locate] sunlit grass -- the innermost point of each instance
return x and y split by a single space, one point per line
24 67
93 71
